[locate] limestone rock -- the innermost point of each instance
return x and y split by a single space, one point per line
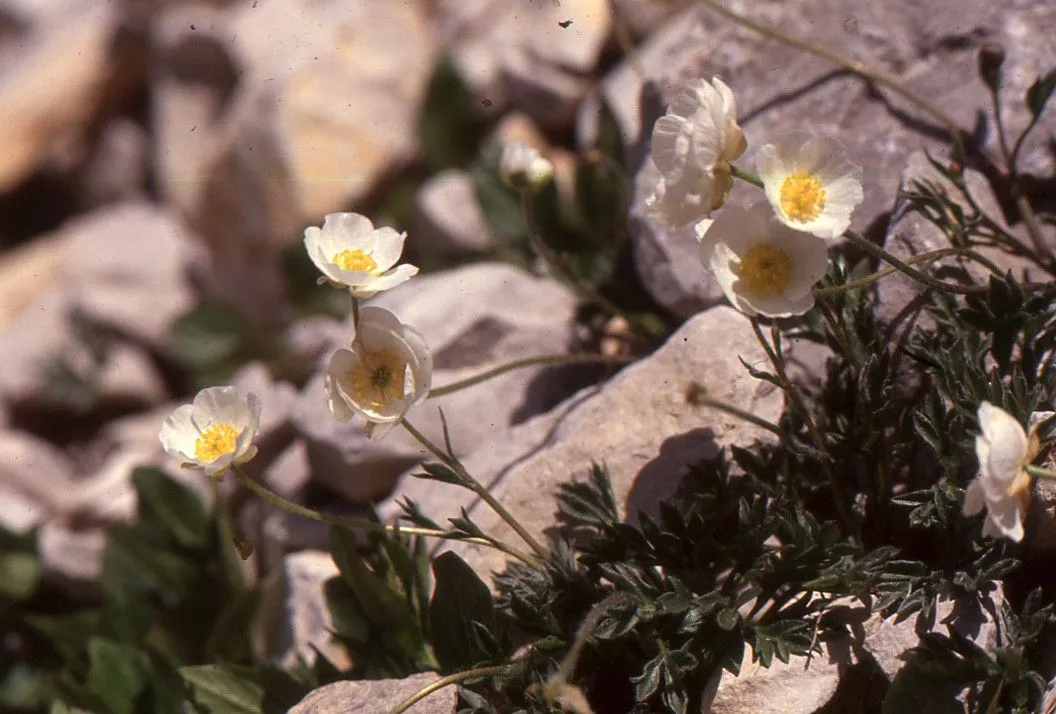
50 88
370 696
117 168
450 219
639 423
72 558
528 53
37 481
305 620
473 318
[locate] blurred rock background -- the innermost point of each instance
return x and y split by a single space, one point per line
162 158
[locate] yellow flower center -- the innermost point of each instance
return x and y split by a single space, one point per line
355 260
766 269
215 441
802 197
378 378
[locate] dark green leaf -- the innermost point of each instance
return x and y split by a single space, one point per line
175 507
460 599
222 689
1039 92
118 675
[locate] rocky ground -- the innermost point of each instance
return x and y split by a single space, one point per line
162 154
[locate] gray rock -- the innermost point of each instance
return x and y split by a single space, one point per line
525 54
37 481
381 695
72 558
473 318
304 622
50 87
639 423
118 167
450 219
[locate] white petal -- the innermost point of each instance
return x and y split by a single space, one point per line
398 275
820 153
810 259
1008 448
178 434
388 248
973 499
670 146
341 362
1004 519
423 362
227 405
351 227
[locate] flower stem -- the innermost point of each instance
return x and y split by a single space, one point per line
851 65
706 401
746 176
528 362
1042 473
355 311
839 495
360 524
476 673
478 488
921 258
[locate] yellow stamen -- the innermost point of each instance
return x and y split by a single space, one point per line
378 379
355 260
802 197
766 269
215 441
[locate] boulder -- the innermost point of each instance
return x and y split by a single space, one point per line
379 695
450 219
640 424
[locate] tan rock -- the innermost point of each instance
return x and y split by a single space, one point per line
639 424
37 481
450 219
381 695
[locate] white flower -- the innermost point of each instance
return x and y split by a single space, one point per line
691 148
387 371
810 183
1002 484
215 431
350 251
763 266
523 167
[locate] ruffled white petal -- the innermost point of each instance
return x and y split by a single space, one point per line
178 434
387 248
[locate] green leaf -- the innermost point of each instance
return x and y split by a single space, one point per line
460 599
1039 92
448 125
163 500
224 689
19 575
118 676
209 337
436 471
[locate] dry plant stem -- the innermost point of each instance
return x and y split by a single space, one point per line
528 362
1025 209
356 524
839 495
478 673
881 78
478 488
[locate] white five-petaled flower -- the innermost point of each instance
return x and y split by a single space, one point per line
763 266
692 145
215 431
349 251
1002 485
387 371
523 167
810 183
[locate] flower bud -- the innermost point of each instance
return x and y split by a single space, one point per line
991 57
524 168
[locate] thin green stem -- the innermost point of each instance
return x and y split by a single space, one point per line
1039 472
851 65
883 273
478 488
476 673
746 176
800 405
706 401
357 524
528 362
355 311
877 252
